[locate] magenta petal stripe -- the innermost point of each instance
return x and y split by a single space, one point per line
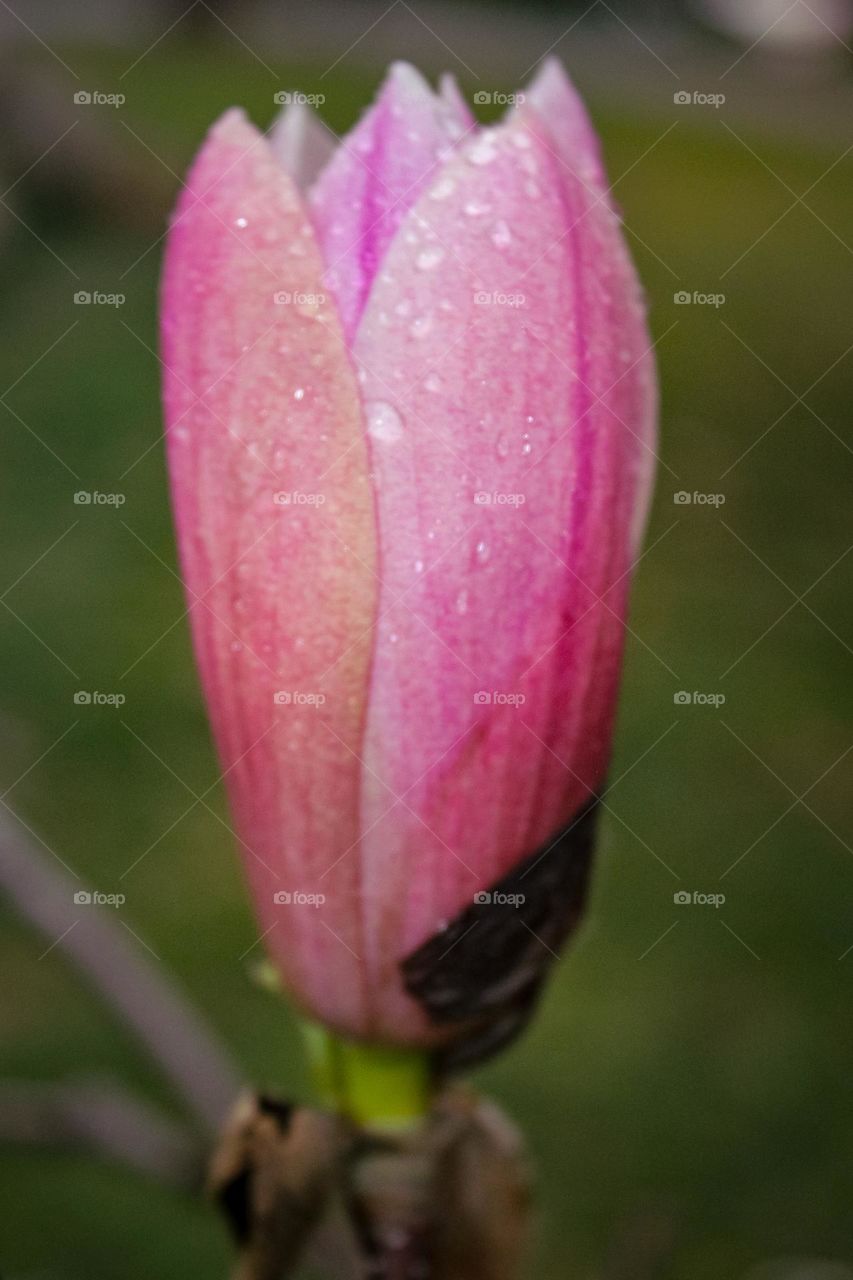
376 175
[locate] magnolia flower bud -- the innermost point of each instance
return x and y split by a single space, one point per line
410 414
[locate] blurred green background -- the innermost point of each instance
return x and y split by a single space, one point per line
685 1088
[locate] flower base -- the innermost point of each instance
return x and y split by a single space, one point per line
443 1197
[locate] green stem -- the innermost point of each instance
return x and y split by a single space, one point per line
375 1086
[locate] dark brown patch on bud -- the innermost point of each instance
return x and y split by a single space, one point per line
487 966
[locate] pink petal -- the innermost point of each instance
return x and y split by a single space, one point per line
261 399
303 144
376 175
634 397
466 397
625 381
561 107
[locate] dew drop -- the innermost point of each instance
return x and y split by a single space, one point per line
482 551
462 601
419 566
241 222
501 236
483 152
432 382
299 393
383 422
429 258
442 189
476 208
421 326
502 447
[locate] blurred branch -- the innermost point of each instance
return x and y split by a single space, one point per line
101 1118
174 1034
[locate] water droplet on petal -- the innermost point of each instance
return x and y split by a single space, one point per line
429 258
482 551
502 447
483 152
462 601
241 222
501 236
383 422
421 326
442 189
432 382
419 566
476 208
299 393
